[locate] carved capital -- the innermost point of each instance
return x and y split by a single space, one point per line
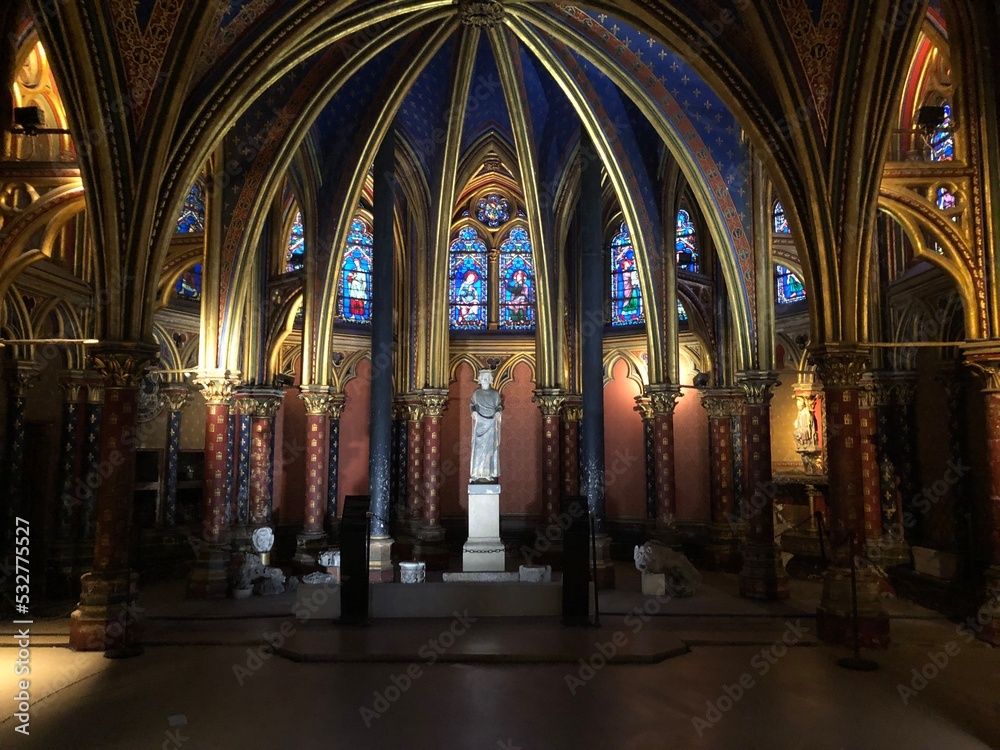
758 385
260 403
317 400
24 377
664 398
984 358
176 395
481 13
549 401
724 403
572 408
123 366
840 367
434 402
867 398
72 383
217 391
644 405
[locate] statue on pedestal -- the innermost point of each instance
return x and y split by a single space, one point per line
486 407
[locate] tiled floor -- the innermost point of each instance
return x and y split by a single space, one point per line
753 677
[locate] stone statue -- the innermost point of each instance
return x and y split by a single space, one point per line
804 430
486 407
682 578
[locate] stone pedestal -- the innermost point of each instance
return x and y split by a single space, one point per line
380 568
483 551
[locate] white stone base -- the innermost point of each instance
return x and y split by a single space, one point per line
535 573
484 551
481 576
412 572
654 584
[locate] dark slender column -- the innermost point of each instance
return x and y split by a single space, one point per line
644 406
400 438
333 478
763 575
840 368
906 452
15 430
105 617
892 548
867 413
572 412
69 460
93 417
243 445
177 397
380 435
550 403
414 461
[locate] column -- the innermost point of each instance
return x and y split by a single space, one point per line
892 548
380 431
312 540
208 579
550 403
905 450
177 396
664 400
867 414
726 529
93 416
241 533
962 536
987 619
571 416
336 407
841 368
430 537
591 243
397 466
763 575
105 617
18 391
414 461
70 463
644 405
262 405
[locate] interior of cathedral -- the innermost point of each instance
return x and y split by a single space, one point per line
730 267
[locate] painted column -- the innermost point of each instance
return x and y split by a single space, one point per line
958 455
763 575
550 403
177 396
70 463
870 488
571 415
336 408
312 540
644 406
430 545
207 579
892 548
664 400
841 368
987 619
906 451
723 406
262 405
105 617
14 490
93 416
243 443
414 462
397 467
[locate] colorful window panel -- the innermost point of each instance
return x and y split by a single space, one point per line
687 243
192 218
780 220
189 284
626 294
943 141
468 275
356 275
517 282
493 211
682 314
946 199
790 288
296 252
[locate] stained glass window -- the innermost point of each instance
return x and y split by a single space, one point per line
943 141
468 274
626 295
356 275
682 314
192 218
189 284
790 288
780 220
517 282
296 252
493 210
687 243
946 199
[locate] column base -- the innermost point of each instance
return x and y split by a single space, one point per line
209 576
834 617
430 548
106 619
308 545
380 569
763 575
605 565
723 549
990 611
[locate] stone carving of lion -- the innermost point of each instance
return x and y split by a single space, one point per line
655 557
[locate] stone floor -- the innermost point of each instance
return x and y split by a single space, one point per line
745 675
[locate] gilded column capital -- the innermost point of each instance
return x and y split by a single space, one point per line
572 410
413 407
663 398
72 383
123 365
984 358
549 400
724 403
218 391
644 405
840 367
758 385
177 396
434 402
24 376
260 403
319 400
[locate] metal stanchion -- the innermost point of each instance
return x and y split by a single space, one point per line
855 662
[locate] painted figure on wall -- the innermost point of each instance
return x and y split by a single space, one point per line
804 430
468 296
487 407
